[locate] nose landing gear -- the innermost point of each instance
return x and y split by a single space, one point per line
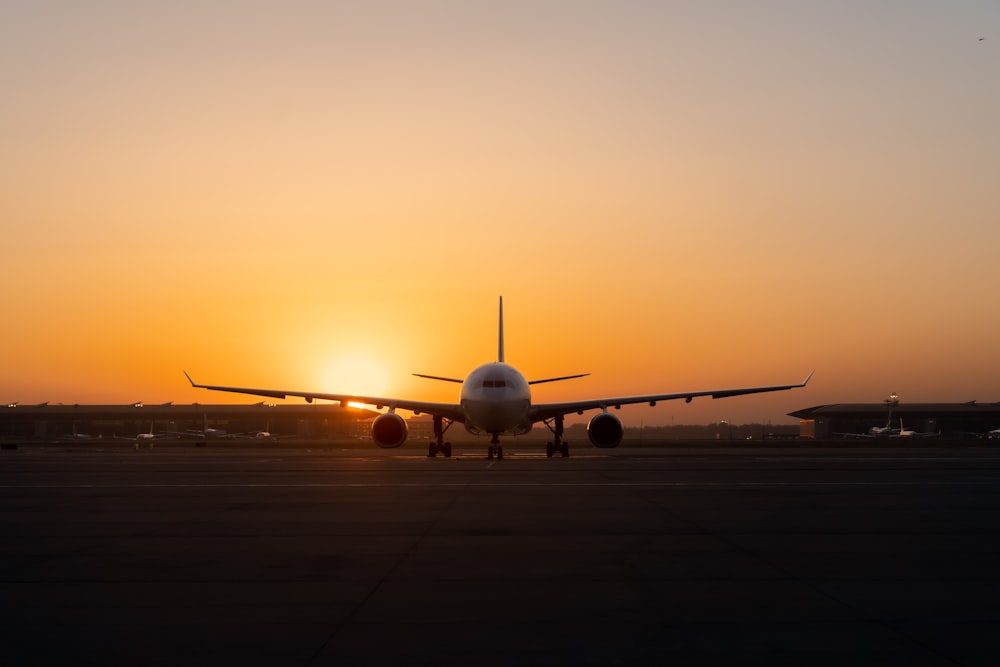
495 447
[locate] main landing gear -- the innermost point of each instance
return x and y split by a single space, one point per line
558 445
495 447
439 445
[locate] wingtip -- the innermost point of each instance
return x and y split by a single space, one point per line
809 377
188 377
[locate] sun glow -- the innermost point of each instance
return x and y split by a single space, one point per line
357 374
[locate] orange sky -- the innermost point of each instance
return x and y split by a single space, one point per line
669 197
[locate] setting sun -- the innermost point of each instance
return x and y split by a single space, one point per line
356 373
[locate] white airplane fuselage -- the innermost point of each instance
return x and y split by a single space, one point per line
496 399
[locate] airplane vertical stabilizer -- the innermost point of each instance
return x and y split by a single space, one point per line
500 344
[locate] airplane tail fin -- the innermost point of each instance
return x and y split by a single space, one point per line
500 343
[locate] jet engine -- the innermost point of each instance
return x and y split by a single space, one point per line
605 430
389 430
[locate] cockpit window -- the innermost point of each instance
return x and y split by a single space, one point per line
494 383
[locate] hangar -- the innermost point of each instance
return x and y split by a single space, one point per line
971 419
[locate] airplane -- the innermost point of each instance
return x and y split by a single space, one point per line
888 432
205 431
76 435
903 432
260 435
909 433
265 435
884 431
495 400
147 437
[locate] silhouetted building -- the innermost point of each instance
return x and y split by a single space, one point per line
970 419
81 422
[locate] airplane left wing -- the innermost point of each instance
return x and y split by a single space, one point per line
543 411
451 411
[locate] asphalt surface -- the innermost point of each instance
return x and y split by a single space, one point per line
260 556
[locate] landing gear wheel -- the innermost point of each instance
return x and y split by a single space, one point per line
489 454
439 445
495 447
556 426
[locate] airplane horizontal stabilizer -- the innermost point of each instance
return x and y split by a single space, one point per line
565 377
437 377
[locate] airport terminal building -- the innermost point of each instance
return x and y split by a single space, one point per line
61 422
83 422
971 420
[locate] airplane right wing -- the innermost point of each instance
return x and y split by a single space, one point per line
543 411
450 411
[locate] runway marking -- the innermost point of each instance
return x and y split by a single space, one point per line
360 485
878 459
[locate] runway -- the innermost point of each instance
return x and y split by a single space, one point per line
299 556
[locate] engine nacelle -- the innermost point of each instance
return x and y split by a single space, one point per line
389 430
605 430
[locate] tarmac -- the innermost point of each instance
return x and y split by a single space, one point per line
256 555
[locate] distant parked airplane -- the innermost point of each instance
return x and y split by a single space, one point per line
149 436
75 435
877 431
204 432
907 433
495 400
260 435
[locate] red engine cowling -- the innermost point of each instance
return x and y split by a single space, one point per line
389 431
605 430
